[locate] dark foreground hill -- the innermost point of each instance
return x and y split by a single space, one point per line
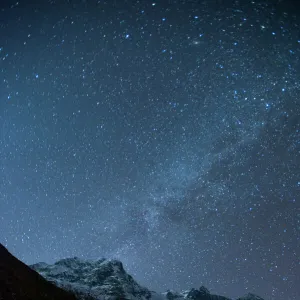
20 282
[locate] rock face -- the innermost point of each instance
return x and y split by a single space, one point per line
19 282
101 279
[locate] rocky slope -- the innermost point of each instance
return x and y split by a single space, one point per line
19 282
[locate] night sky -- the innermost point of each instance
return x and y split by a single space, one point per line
165 134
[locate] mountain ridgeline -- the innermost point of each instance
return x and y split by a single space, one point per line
78 279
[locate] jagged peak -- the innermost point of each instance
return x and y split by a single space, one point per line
97 278
71 261
194 294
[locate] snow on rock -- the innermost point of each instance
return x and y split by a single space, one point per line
90 280
194 294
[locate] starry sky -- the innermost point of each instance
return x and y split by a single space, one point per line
162 133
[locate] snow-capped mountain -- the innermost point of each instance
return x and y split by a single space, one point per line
107 280
101 279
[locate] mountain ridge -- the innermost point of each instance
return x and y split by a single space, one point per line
79 279
114 280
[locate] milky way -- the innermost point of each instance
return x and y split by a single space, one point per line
164 135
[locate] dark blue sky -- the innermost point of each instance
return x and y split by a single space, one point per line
165 134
